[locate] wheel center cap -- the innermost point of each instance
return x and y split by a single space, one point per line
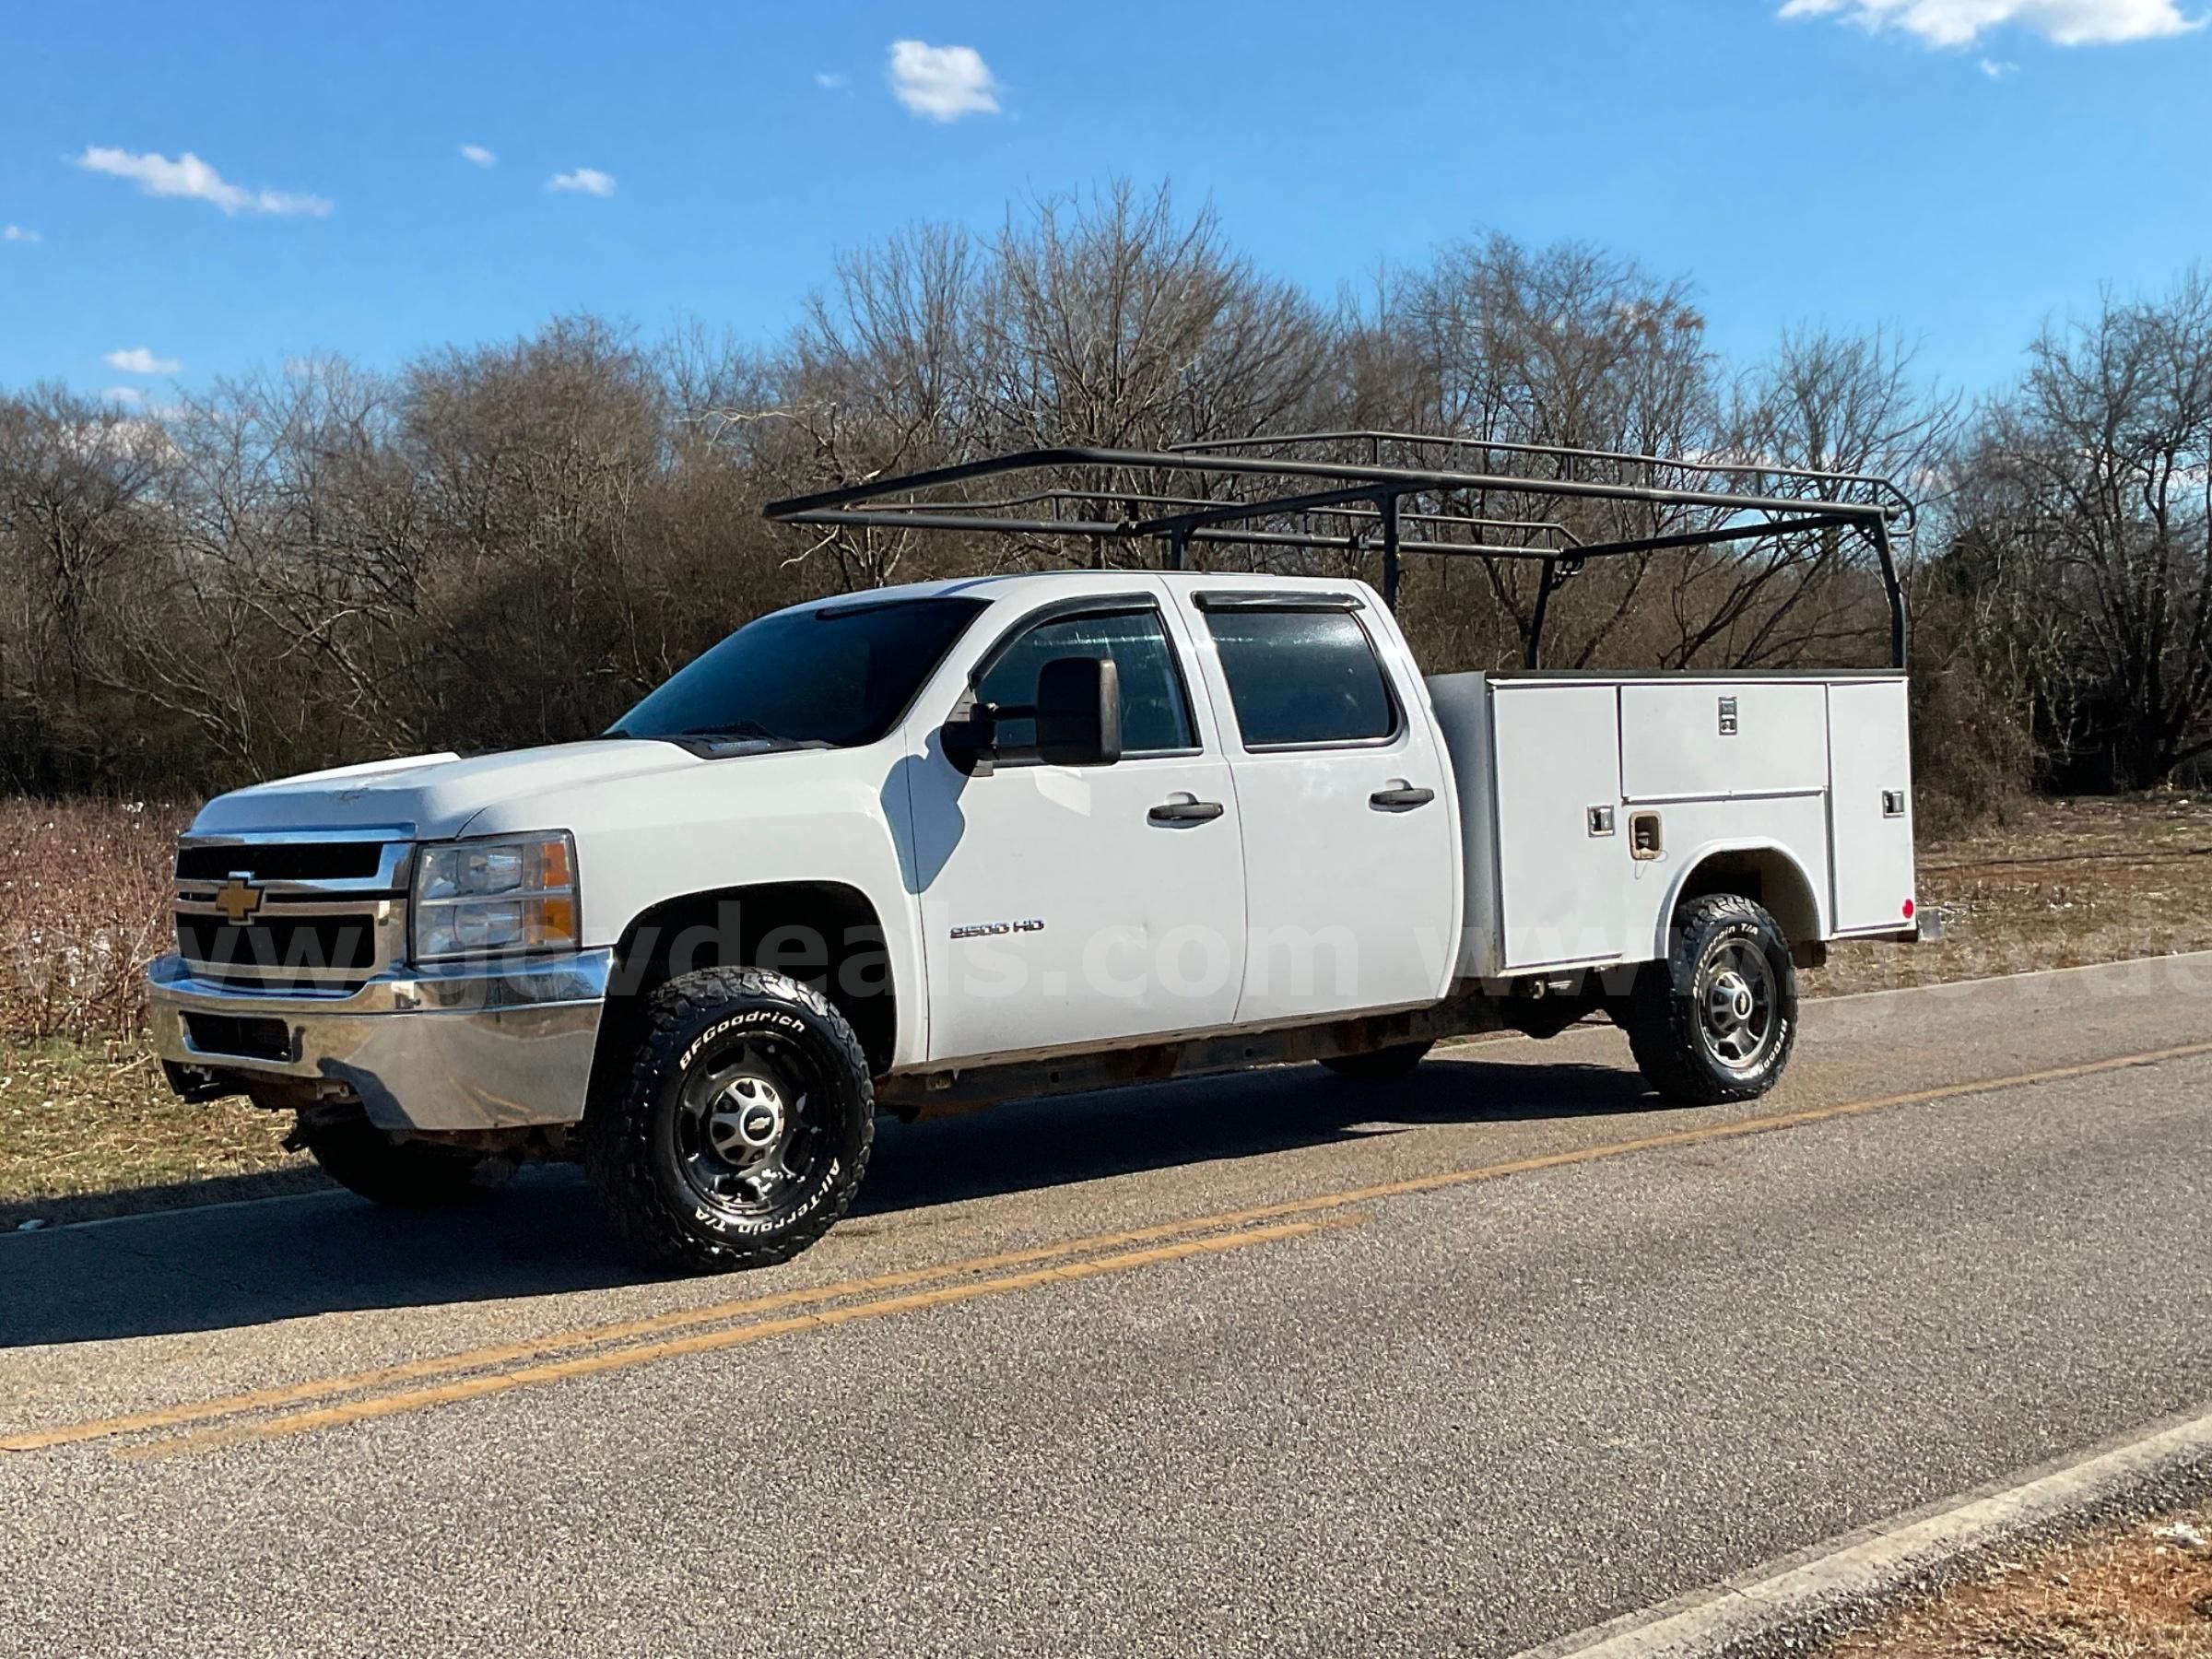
1734 997
748 1124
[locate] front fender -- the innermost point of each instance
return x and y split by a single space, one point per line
821 816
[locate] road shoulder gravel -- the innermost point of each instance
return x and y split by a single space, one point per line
1788 1604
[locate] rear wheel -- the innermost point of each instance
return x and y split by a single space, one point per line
1717 1020
407 1174
1379 1065
744 1128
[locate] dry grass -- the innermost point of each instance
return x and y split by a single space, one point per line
87 1127
83 906
92 1130
2120 1593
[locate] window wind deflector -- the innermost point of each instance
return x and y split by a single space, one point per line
1239 599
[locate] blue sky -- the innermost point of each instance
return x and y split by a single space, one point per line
1961 169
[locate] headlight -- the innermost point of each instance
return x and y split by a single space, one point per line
479 898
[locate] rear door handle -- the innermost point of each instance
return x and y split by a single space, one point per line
1185 809
1400 797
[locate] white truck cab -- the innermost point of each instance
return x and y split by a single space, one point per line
930 846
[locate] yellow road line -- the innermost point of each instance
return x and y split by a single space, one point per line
629 1330
706 1342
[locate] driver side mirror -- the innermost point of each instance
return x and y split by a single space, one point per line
1077 715
1079 711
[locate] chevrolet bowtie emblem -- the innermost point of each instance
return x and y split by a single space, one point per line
238 898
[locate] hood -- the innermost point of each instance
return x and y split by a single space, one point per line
436 795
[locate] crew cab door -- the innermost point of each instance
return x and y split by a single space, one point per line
1351 845
1080 906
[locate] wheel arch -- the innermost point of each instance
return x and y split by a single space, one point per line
826 933
1765 872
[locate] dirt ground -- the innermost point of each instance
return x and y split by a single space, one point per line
87 1128
2141 1591
2065 884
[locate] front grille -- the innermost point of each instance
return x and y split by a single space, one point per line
278 953
281 861
285 916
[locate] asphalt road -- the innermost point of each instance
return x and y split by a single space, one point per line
1277 1363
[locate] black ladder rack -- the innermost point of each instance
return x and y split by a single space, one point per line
1368 498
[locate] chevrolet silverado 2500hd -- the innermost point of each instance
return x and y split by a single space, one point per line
932 845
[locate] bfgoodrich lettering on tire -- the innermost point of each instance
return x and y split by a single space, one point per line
744 1128
1717 1020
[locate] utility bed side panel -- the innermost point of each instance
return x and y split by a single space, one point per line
1813 768
1561 879
1870 803
1462 705
1796 825
1715 739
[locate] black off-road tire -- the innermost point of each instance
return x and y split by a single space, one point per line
633 1144
1379 1065
1669 1029
409 1174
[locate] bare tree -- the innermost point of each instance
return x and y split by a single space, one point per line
2091 502
1849 406
1564 346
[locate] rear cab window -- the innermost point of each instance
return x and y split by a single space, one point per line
1301 676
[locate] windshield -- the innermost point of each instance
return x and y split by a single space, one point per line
838 676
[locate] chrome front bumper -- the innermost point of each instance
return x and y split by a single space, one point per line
447 1048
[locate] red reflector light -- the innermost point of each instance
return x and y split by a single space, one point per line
1908 909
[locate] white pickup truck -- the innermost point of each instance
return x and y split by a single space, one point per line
930 846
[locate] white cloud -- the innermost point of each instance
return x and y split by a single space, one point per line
1963 22
584 181
17 234
123 394
477 154
140 359
190 177
942 83
829 80
1996 70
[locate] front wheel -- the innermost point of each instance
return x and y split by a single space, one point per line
1717 1020
745 1126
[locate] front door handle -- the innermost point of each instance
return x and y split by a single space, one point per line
1186 810
1400 797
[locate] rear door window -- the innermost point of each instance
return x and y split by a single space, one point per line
1302 678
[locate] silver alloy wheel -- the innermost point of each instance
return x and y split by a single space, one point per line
1736 1014
743 1135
